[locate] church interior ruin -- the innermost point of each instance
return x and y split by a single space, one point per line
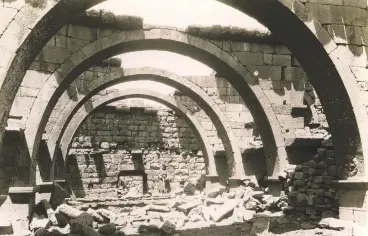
210 117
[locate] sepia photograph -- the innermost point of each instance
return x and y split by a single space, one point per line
184 117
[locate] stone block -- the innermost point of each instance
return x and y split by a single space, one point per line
82 32
263 48
272 73
250 58
293 74
190 205
69 211
6 16
240 47
224 210
107 229
356 3
329 14
281 49
53 55
71 44
281 60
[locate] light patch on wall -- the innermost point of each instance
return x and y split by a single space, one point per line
145 84
182 13
173 62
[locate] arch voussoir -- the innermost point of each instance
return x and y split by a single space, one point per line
127 41
147 73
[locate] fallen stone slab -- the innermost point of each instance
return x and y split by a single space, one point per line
138 212
258 194
168 227
216 201
59 231
83 219
269 215
336 224
119 221
215 191
107 229
189 188
107 214
95 215
50 212
88 231
196 214
158 208
150 228
224 210
58 196
41 232
38 222
69 211
190 205
62 219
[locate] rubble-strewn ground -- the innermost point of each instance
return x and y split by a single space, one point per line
246 210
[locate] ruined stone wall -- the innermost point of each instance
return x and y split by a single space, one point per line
309 185
111 140
279 75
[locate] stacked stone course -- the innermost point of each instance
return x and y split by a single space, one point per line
106 142
309 185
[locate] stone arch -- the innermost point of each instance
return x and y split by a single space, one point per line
97 101
147 73
344 109
169 40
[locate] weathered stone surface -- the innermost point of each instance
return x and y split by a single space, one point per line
95 215
335 224
84 219
50 212
59 231
190 205
224 210
158 208
69 211
106 213
107 229
189 188
168 227
39 222
58 195
215 191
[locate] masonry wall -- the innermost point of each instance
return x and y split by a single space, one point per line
130 140
283 81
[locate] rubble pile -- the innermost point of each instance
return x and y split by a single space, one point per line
308 186
180 210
